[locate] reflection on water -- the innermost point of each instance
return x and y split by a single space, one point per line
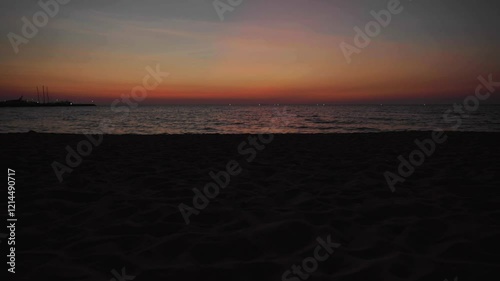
244 119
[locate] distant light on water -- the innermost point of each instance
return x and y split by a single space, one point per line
209 119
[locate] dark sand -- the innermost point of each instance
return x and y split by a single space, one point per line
119 208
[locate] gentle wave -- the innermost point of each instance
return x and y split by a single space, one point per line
245 119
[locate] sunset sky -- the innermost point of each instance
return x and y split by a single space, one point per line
284 51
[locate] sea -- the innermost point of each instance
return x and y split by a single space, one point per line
248 119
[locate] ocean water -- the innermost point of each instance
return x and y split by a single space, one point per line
236 119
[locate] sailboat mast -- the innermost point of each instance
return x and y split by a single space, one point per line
38 94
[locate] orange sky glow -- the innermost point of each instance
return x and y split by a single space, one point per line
245 60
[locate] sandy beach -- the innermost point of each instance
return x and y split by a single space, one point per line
119 208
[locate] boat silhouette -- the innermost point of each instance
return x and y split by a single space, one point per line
45 102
